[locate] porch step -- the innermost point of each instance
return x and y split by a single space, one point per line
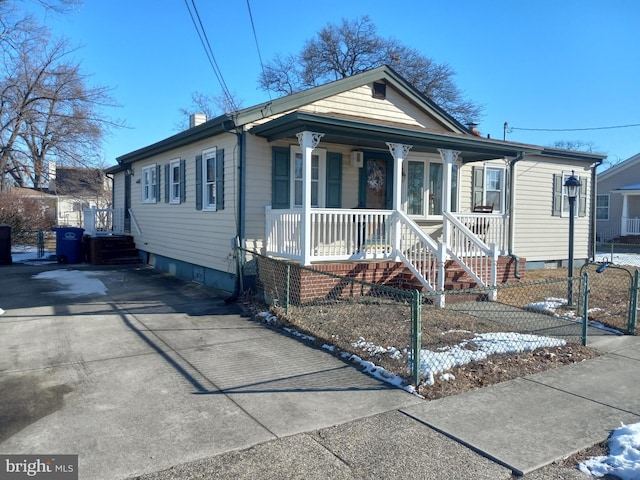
112 250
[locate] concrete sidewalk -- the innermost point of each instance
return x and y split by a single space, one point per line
161 379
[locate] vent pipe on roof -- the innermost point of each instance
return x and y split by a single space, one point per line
196 119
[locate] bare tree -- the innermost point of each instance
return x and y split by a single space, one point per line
577 145
47 110
210 105
353 46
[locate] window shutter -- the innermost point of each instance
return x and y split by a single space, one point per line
477 193
557 195
280 177
582 197
199 182
334 180
158 170
166 183
183 182
220 179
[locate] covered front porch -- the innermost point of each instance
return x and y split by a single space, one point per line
630 219
310 234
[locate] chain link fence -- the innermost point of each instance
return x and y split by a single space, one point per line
32 244
618 253
405 332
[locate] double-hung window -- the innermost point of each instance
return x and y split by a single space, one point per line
175 181
602 207
561 198
318 177
150 184
209 179
489 187
424 188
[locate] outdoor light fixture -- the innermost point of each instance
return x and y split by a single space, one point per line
129 171
572 184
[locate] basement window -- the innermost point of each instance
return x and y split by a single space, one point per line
379 90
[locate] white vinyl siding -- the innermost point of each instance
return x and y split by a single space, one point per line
181 232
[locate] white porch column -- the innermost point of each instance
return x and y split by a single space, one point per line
308 141
625 215
399 152
448 159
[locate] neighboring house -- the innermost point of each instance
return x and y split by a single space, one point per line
618 201
68 191
356 171
77 189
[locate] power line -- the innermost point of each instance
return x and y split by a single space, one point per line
255 37
204 40
574 129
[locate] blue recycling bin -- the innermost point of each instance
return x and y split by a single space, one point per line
69 248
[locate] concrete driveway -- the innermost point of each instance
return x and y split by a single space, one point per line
156 373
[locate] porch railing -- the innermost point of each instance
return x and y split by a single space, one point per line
103 221
490 228
419 252
630 226
336 234
477 258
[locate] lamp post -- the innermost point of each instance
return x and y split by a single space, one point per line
572 184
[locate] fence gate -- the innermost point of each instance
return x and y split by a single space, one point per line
613 295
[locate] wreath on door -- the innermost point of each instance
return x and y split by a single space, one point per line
375 179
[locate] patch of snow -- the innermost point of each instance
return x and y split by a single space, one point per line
632 259
298 334
445 377
623 461
74 282
1 311
549 305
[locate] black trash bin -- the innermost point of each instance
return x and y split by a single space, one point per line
5 245
69 248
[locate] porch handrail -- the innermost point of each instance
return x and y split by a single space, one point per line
418 251
478 259
631 226
135 222
490 227
103 221
283 236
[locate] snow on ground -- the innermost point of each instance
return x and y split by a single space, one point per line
632 259
623 461
75 282
29 256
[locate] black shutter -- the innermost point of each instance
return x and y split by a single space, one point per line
220 179
199 182
582 197
557 196
280 177
477 193
167 184
183 182
157 192
334 180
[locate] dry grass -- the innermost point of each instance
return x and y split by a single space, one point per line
377 326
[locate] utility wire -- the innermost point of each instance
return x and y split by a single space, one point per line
574 129
204 40
255 37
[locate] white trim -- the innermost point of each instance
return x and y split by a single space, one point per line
565 197
173 182
426 160
600 206
149 184
502 190
209 154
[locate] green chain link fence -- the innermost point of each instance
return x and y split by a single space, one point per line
406 333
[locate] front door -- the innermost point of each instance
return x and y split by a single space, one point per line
376 180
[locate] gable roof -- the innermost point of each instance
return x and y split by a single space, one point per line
620 167
78 182
474 148
227 122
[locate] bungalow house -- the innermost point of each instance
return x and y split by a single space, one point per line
361 170
618 201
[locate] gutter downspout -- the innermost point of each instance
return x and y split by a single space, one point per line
592 222
238 287
512 201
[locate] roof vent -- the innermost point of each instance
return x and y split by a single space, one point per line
196 119
379 90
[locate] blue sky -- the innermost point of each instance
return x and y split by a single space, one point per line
535 64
